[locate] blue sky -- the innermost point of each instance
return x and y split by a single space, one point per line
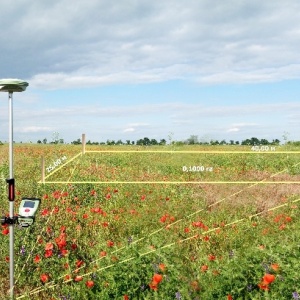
134 69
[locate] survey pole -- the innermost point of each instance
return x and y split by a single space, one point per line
11 86
11 195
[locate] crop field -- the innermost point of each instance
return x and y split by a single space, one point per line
159 222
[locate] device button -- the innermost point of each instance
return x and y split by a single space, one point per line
27 210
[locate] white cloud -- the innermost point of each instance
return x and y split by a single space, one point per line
234 129
131 129
30 129
66 44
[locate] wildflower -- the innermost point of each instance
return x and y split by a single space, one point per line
268 278
211 257
64 252
48 253
110 243
45 212
275 267
282 226
204 268
79 263
90 284
206 238
5 231
44 278
78 278
296 295
157 278
229 297
67 277
162 267
22 251
163 219
37 259
49 246
126 297
263 286
73 246
195 285
178 296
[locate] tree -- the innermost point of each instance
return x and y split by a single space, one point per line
44 141
154 142
162 142
264 142
77 142
192 140
275 142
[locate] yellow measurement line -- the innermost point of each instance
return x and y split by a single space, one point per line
63 165
172 182
199 152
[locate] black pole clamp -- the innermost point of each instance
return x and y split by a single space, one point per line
11 189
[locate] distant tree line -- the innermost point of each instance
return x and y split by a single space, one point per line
192 140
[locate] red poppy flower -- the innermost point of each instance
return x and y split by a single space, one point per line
204 268
48 253
275 267
64 252
67 277
162 267
153 286
37 259
211 257
49 246
44 278
157 278
90 284
110 243
45 212
263 286
79 263
78 278
73 246
268 278
5 231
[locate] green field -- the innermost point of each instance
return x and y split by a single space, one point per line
165 222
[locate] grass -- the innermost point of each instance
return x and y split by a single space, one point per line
155 241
